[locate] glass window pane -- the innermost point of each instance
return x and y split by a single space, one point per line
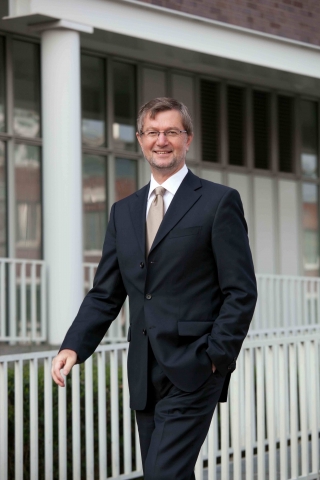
261 129
310 229
28 202
94 205
285 133
236 127
93 101
124 123
210 120
126 177
309 138
2 86
3 202
26 74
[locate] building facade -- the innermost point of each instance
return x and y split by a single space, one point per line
72 76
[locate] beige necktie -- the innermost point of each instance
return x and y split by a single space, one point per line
155 216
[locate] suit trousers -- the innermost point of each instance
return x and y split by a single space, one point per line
174 424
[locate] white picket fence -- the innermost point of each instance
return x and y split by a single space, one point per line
23 300
284 302
269 428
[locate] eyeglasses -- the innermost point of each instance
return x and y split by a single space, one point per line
172 133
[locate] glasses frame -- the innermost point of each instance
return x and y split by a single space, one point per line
162 131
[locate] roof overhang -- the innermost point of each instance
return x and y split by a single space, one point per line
175 29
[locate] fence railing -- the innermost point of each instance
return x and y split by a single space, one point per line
22 300
268 429
285 303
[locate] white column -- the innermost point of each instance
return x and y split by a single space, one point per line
62 173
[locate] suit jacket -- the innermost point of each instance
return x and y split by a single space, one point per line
194 296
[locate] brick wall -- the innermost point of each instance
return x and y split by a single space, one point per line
295 19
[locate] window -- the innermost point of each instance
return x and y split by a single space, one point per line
126 177
285 133
93 101
3 202
124 98
28 201
2 86
236 125
310 200
94 205
26 73
261 129
210 120
309 138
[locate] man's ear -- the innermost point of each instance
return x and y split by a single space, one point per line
189 140
139 139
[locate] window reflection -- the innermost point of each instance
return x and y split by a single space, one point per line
309 138
126 177
3 202
93 101
124 106
28 201
26 73
2 86
94 205
310 229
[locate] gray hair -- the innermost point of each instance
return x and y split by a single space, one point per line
162 104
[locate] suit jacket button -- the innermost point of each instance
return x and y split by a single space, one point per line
144 331
141 265
148 296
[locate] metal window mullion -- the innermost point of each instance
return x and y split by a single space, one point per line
109 102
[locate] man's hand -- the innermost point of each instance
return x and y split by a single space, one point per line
214 368
64 360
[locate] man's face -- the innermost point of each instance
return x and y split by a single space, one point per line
164 153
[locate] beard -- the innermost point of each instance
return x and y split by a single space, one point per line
154 163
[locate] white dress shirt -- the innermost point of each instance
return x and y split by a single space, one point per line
171 185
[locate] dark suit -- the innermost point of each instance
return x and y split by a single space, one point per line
192 298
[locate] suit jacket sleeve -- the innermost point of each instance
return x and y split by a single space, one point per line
237 283
103 302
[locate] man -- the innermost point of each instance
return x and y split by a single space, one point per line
179 249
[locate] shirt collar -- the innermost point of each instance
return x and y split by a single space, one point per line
172 183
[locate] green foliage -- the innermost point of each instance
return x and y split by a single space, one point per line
41 427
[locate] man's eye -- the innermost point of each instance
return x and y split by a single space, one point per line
152 134
172 133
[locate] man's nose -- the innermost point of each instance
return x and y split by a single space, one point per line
162 139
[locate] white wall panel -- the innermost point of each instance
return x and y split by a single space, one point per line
183 90
211 175
241 183
264 225
153 84
288 227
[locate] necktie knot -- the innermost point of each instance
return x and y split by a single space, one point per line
159 191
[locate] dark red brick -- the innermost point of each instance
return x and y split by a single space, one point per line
280 17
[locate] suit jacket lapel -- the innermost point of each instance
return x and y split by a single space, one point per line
138 209
186 196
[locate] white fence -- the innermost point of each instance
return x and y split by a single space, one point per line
22 300
269 428
285 303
